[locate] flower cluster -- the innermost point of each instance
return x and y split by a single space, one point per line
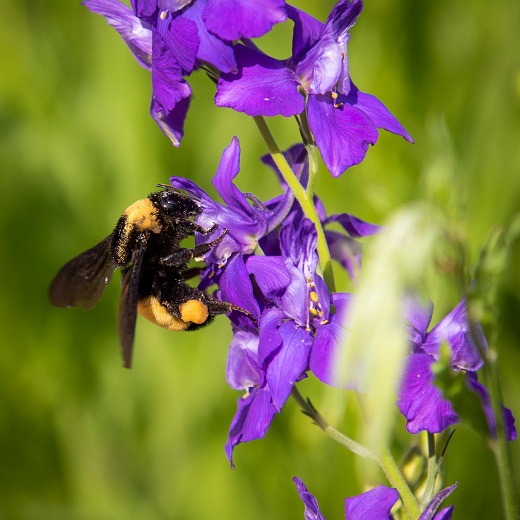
298 321
172 38
270 262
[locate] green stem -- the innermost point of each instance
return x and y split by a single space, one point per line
397 480
432 471
500 444
306 202
351 445
383 457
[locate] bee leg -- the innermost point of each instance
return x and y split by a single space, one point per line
221 307
183 256
192 227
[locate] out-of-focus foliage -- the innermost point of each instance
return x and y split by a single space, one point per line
80 437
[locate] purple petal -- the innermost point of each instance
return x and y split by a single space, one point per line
211 49
321 67
135 33
455 329
485 399
307 31
144 8
418 316
325 353
263 87
227 170
242 370
329 343
444 514
232 19
420 401
436 501
342 132
270 339
299 251
354 226
171 122
374 504
379 114
312 510
289 363
344 250
252 420
270 275
236 286
180 34
168 84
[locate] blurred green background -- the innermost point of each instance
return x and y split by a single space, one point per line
80 437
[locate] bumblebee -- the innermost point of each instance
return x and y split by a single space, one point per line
146 246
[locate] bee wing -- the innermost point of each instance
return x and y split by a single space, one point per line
128 300
81 282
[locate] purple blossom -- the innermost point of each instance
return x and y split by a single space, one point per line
173 37
296 329
375 504
343 119
245 217
419 400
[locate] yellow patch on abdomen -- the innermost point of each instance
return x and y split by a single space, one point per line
151 309
194 311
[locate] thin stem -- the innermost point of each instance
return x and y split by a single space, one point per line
383 457
397 480
432 470
500 445
351 445
306 203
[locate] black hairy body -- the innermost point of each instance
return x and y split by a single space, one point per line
146 246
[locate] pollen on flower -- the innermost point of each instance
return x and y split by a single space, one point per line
163 14
313 296
246 395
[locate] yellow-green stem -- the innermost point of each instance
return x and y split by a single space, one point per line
397 480
304 199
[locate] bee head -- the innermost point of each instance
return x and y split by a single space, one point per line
175 203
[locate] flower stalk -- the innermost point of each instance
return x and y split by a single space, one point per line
304 198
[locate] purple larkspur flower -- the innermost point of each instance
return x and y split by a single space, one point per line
419 400
343 120
375 504
296 327
245 217
173 37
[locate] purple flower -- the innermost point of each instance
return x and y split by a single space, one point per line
419 400
296 329
344 120
245 217
375 504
